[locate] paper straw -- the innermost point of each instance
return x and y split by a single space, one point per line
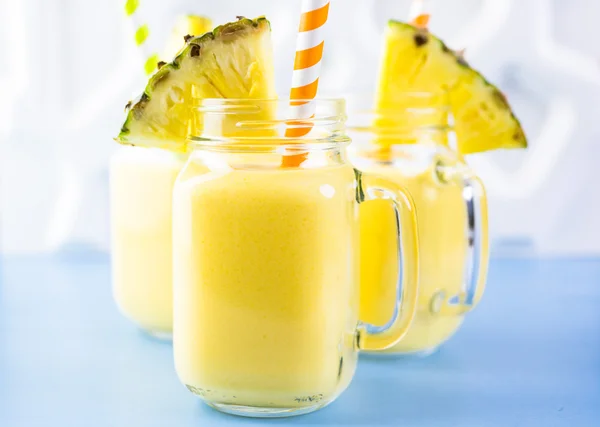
307 69
419 13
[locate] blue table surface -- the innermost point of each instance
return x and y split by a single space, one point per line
529 355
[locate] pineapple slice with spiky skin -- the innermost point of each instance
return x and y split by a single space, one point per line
235 60
417 61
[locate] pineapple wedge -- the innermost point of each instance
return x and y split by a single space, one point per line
235 60
415 60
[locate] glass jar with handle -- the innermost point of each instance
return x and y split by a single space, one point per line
266 259
411 143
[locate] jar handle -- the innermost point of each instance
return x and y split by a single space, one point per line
475 271
372 337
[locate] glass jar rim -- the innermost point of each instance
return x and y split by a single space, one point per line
258 123
420 114
406 99
331 100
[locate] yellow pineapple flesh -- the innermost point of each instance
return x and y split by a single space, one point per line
416 61
235 60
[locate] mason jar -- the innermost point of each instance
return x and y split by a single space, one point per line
411 142
266 258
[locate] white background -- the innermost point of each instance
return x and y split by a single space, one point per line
67 68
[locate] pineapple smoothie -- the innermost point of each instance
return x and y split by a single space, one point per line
265 254
141 188
262 259
422 83
264 276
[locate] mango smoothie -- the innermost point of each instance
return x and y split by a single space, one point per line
266 292
442 217
141 188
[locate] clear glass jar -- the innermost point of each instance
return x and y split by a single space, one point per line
141 190
410 143
266 259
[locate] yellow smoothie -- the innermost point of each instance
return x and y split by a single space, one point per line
266 292
141 189
441 217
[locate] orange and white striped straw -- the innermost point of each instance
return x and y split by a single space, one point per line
307 69
419 13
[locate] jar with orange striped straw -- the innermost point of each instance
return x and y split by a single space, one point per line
414 134
265 259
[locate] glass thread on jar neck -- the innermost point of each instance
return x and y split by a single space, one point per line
251 133
222 124
381 124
